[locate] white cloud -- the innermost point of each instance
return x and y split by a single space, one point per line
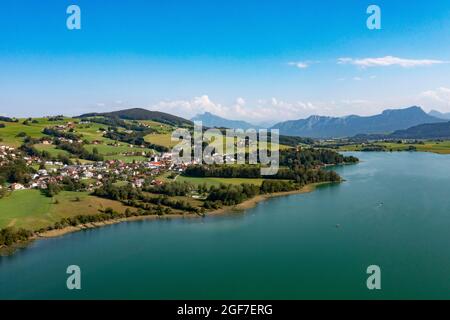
389 61
302 64
357 78
263 110
437 98
189 108
270 110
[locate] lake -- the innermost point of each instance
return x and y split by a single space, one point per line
393 211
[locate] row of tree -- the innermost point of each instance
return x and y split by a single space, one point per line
78 150
313 157
299 173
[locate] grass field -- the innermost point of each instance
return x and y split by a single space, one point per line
31 210
92 132
50 148
165 140
161 139
9 134
429 146
34 130
160 127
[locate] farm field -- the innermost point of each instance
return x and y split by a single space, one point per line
161 139
108 150
50 148
160 127
9 133
31 210
165 140
440 147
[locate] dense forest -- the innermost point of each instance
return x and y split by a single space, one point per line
301 166
313 157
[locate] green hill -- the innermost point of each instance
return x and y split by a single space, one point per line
424 131
142 114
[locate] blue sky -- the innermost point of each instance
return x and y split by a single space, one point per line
253 60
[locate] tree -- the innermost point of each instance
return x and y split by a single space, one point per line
52 190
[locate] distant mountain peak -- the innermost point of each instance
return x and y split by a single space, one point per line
440 115
405 110
389 120
211 120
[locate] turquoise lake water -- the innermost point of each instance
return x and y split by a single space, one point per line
393 211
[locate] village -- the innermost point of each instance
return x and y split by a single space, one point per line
93 173
136 164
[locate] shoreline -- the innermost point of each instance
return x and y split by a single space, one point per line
241 207
247 204
253 202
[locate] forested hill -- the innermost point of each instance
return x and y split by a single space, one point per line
424 131
142 114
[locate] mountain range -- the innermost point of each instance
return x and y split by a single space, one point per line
210 120
439 115
424 131
338 127
410 122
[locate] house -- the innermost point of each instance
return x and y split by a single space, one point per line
154 165
157 182
17 186
87 175
138 183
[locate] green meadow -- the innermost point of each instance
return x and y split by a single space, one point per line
50 148
161 139
440 147
8 135
31 210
